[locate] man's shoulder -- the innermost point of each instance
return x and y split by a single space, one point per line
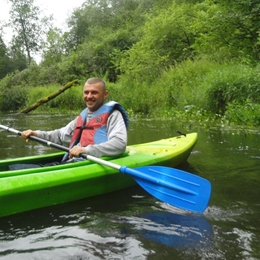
116 112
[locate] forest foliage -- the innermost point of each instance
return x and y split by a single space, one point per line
159 57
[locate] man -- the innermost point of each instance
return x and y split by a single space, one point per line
100 129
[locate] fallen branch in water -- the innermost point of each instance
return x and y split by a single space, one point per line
50 97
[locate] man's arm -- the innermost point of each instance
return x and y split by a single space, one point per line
58 136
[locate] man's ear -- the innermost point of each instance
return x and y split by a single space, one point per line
106 94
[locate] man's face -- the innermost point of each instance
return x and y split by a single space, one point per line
94 96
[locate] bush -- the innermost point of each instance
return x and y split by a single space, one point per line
13 99
232 83
246 113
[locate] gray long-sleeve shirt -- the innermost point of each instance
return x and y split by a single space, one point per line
116 132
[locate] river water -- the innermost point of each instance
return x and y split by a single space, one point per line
131 224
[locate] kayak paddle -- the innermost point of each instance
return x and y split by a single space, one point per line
176 187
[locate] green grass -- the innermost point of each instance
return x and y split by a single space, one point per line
202 91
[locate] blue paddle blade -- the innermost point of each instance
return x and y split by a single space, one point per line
178 188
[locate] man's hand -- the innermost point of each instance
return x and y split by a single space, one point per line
27 133
76 151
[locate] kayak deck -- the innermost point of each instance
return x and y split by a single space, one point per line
28 189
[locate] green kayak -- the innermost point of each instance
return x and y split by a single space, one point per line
27 189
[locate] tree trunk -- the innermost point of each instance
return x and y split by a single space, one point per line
50 97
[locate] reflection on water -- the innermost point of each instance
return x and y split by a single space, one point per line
130 224
71 242
178 231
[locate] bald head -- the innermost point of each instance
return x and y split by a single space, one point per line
101 82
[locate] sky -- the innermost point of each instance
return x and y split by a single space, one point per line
60 9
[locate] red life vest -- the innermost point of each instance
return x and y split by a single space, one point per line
94 131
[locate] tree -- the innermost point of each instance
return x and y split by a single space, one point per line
27 25
18 59
4 59
100 31
228 29
53 48
167 40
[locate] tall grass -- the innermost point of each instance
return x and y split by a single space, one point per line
192 90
